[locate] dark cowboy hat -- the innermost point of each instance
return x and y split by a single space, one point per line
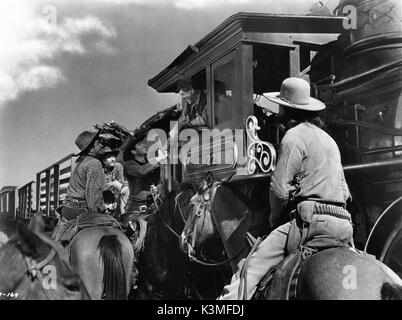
185 84
85 140
132 140
113 152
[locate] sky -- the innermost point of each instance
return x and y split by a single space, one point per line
66 65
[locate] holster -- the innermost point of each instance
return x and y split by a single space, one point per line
298 233
305 210
304 225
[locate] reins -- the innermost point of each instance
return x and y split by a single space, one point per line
191 249
157 197
192 257
211 264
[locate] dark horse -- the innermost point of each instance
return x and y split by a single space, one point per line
217 242
34 267
162 267
321 276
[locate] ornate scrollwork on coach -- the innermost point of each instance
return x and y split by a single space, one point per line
261 154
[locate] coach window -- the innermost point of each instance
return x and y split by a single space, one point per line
196 111
270 67
223 81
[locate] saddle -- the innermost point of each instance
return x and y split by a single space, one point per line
66 230
280 282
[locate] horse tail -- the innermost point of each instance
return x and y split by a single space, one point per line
391 292
114 278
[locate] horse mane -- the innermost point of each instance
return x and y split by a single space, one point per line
11 264
142 231
391 292
12 258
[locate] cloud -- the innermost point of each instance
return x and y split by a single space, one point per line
40 77
28 59
193 4
181 4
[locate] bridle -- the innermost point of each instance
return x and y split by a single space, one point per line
190 252
176 205
156 198
190 245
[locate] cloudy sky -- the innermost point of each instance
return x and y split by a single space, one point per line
66 65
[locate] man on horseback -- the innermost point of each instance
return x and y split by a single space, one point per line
84 203
116 185
308 187
84 192
98 249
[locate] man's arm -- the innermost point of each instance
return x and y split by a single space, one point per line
134 169
288 166
346 192
94 186
120 174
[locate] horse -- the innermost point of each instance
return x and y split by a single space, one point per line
32 267
162 267
321 276
103 257
240 218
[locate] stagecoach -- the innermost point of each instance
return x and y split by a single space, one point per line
355 71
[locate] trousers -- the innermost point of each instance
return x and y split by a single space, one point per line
273 249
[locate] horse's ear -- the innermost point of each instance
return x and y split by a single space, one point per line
28 242
37 224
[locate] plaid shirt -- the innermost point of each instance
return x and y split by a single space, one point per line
87 183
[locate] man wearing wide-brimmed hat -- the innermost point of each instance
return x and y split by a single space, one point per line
87 181
115 181
194 112
308 190
140 174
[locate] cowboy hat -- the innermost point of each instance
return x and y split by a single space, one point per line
185 84
109 151
85 140
295 93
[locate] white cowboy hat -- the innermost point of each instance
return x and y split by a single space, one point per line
295 93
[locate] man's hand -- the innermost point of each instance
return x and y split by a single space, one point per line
161 156
116 184
153 189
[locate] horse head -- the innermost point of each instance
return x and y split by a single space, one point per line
159 276
34 267
199 226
